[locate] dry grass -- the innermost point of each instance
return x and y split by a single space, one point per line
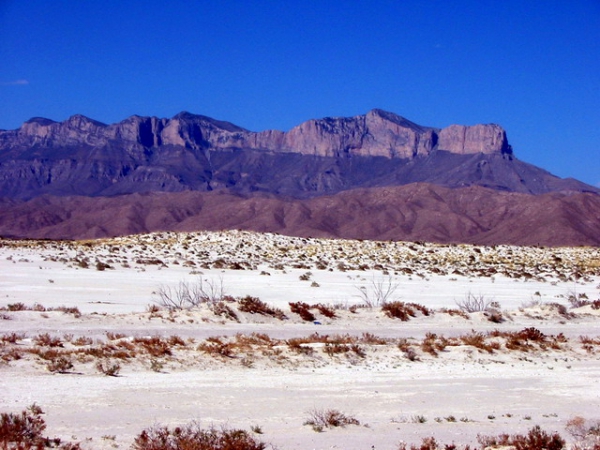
319 419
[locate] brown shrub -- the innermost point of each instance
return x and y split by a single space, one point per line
369 338
193 437
536 439
326 311
478 340
45 340
398 310
61 364
154 346
221 309
108 368
24 431
455 312
329 418
216 347
303 310
254 305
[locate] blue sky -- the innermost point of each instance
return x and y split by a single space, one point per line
531 66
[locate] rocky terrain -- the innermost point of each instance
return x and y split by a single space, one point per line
268 333
374 176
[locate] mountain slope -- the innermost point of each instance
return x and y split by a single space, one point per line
81 156
414 212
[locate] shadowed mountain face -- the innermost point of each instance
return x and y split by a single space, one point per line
423 212
344 177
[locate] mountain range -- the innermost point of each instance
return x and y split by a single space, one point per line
373 176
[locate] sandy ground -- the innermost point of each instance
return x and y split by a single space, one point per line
454 395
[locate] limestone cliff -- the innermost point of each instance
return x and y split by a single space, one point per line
377 133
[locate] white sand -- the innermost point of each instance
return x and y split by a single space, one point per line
508 391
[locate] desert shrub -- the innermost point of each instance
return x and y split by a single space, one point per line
221 309
14 307
378 292
303 310
298 345
190 295
478 340
328 418
370 338
67 310
474 303
114 336
333 349
455 312
193 437
521 340
596 304
60 364
152 308
24 431
45 340
325 310
216 347
422 309
254 305
532 334
535 439
587 432
176 341
431 344
108 368
428 443
561 310
155 346
494 314
398 310
577 300
11 338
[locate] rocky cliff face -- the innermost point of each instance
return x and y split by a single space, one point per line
81 156
377 133
464 140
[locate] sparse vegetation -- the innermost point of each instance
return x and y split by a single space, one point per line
188 295
254 305
194 437
108 368
303 310
378 292
474 303
319 419
25 430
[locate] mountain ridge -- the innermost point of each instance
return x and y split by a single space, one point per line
372 176
81 156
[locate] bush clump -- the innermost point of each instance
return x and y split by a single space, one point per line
24 431
193 437
254 305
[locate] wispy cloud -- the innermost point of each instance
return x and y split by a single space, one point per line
21 82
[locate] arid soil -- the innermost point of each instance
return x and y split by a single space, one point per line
262 332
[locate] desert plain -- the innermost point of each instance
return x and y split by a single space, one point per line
103 336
